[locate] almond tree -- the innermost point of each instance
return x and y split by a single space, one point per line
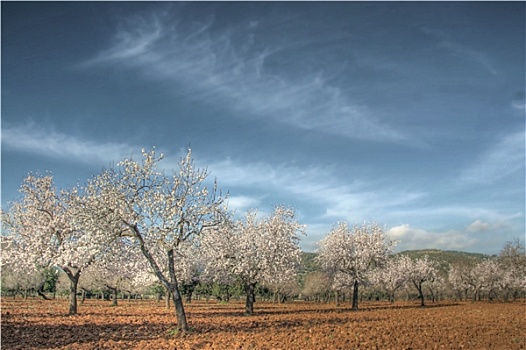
348 254
188 271
160 212
512 264
255 251
47 227
123 267
457 279
419 271
317 286
390 277
21 281
483 276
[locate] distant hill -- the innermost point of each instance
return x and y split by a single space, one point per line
443 257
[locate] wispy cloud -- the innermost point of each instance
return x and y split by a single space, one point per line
506 157
367 200
230 66
359 199
32 138
317 189
519 103
462 50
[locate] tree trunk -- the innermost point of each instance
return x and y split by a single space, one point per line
170 286
179 310
42 295
189 293
337 297
114 296
249 305
475 294
355 295
73 283
167 298
420 293
176 296
227 295
40 292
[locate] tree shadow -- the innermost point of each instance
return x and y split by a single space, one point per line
38 336
23 334
322 309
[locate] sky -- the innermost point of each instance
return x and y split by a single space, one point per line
407 114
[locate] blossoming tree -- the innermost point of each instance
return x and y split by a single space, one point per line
347 254
122 268
48 227
419 271
390 277
255 251
160 212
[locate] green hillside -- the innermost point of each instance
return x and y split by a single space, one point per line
446 257
443 257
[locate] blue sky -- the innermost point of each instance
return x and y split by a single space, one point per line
408 114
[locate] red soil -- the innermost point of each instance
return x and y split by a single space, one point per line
39 324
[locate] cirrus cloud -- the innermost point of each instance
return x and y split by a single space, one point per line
229 67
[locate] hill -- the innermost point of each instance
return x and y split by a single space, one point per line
446 257
443 257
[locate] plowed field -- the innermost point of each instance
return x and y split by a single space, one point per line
39 324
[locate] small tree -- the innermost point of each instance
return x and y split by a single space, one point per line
390 277
419 271
456 278
348 254
255 251
482 276
47 227
317 286
123 267
512 265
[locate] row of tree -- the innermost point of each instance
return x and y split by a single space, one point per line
403 275
132 226
133 223
468 276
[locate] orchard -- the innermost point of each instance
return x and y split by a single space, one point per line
132 235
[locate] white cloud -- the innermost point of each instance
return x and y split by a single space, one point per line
482 226
242 203
221 66
32 138
415 238
519 105
478 226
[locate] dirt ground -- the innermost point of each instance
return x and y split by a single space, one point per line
39 324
